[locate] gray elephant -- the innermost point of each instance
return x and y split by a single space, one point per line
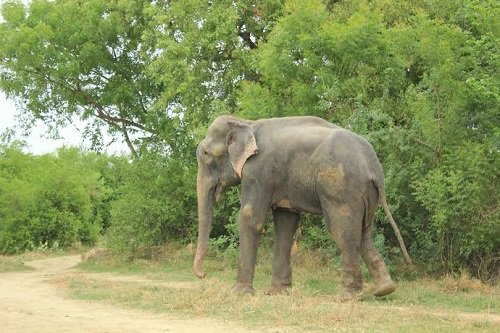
293 165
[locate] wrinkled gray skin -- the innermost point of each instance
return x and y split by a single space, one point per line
293 165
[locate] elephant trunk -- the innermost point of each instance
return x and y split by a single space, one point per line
206 199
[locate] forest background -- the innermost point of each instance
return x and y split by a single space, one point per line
418 79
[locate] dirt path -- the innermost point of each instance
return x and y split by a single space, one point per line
29 303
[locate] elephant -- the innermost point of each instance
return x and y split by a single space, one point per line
292 165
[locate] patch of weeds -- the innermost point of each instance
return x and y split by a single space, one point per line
12 264
431 294
483 325
174 263
320 286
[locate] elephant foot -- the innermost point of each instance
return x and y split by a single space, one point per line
385 289
348 295
279 290
242 289
383 282
352 284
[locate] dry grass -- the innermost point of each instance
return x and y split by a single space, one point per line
446 305
463 283
12 264
298 312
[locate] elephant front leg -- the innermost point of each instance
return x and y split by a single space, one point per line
285 226
251 221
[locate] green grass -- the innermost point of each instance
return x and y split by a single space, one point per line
433 294
422 305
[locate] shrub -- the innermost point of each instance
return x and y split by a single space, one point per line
47 200
157 204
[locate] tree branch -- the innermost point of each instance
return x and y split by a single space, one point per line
423 143
246 36
128 141
102 114
118 122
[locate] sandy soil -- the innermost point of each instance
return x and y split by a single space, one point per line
29 303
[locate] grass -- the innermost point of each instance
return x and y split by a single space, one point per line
449 304
17 262
12 264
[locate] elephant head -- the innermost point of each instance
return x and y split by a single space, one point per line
228 144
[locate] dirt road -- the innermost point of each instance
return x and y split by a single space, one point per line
29 303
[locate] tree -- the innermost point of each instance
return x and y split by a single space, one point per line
418 79
136 68
64 58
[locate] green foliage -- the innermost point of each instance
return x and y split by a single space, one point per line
225 231
462 224
51 200
314 235
201 53
156 204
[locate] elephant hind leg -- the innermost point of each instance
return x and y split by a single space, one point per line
376 265
345 223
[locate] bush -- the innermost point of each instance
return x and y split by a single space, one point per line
157 204
462 228
48 200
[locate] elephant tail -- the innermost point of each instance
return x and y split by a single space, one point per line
383 201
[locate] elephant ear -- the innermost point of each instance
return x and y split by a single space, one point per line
240 145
